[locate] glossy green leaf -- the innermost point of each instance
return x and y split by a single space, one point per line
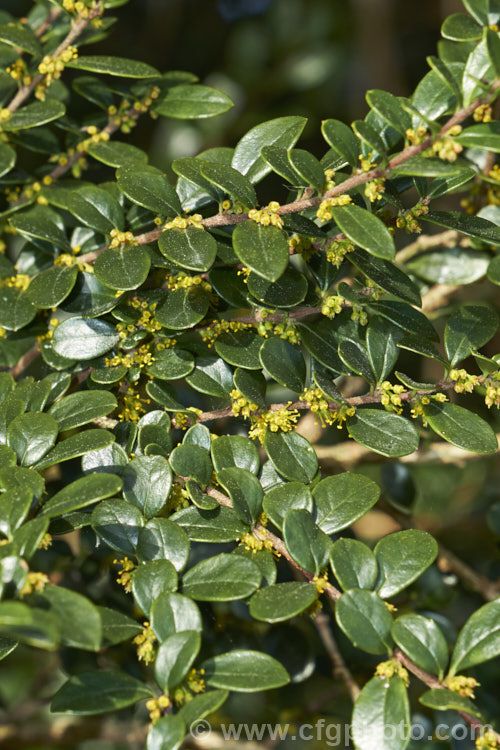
211 375
76 445
365 229
402 557
479 639
340 137
52 286
118 524
190 248
146 483
277 158
7 159
162 539
389 108
245 671
365 620
469 328
175 657
231 182
342 499
291 455
31 436
382 704
219 525
171 364
433 97
117 154
80 338
16 310
383 432
116 627
150 580
28 625
382 340
20 36
192 461
149 187
202 705
421 639
353 564
14 507
387 276
284 363
442 699
472 226
78 618
96 208
461 427
282 601
98 692
355 358
113 66
193 102
289 290
454 265
166 734
81 493
125 267
420 166
173 613
34 115
245 491
290 496
461 28
307 544
282 131
221 578
234 451
263 249
183 308
80 408
41 222
308 168
240 348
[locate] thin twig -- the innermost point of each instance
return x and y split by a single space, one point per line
340 670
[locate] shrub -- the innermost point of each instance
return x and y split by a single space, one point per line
176 350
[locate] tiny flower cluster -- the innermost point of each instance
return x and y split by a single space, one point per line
324 211
391 396
337 250
65 259
300 245
183 222
155 707
124 577
82 7
492 384
178 498
387 669
375 189
146 321
126 115
321 583
240 405
141 358
420 401
318 404
487 741
194 683
209 335
145 644
34 582
121 238
257 539
464 383
483 113
29 192
18 70
366 163
283 419
19 281
447 148
267 215
52 67
182 280
332 306
234 207
417 135
133 405
462 685
408 219
359 314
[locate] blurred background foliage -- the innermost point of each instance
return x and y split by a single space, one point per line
315 58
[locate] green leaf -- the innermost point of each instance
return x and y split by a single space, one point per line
288 291
306 543
96 208
166 734
479 73
245 491
171 364
7 646
80 338
221 578
387 276
382 339
16 310
183 308
353 564
190 248
234 450
114 66
282 601
461 28
81 493
219 525
202 705
308 168
20 36
282 131
284 363
80 408
342 499
484 136
97 692
340 137
402 557
479 639
125 267
444 185
41 222
162 539
383 432
118 524
49 288
290 496
469 328
355 358
493 49
150 580
172 613
461 427
116 627
240 348
263 249
231 182
116 154
34 115
28 625
454 265
211 376
444 699
146 483
175 657
421 639
422 166
277 158
14 507
28 537
78 618
365 620
365 229
291 455
472 226
245 671
193 102
388 107
7 158
494 270
433 97
381 704
192 461
148 187
32 435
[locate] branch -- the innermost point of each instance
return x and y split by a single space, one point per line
340 670
25 360
426 242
